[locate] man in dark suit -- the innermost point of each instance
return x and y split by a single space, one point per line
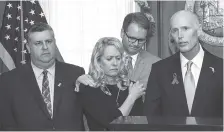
189 83
40 95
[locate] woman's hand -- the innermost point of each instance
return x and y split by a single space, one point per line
136 90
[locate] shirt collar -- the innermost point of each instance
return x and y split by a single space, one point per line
38 72
197 60
134 57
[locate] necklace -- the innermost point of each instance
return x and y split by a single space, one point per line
117 97
107 91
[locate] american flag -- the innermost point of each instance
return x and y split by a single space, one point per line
17 19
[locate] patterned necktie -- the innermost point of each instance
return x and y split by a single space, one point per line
189 85
129 65
46 92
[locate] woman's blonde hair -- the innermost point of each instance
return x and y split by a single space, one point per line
95 71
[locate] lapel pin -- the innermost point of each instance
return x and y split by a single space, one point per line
213 69
59 84
175 81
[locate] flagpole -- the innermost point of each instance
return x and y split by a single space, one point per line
22 32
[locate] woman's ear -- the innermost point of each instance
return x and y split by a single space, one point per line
99 63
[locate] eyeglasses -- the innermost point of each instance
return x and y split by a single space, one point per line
133 40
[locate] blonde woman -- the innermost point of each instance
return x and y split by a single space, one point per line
112 96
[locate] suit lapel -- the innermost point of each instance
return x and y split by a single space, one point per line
58 86
205 75
33 88
177 88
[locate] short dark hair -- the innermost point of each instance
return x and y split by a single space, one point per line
144 20
138 18
39 27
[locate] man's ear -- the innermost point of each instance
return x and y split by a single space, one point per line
28 47
199 30
122 33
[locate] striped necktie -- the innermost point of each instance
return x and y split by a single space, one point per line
129 65
46 93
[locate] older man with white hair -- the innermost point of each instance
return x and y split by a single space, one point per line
189 83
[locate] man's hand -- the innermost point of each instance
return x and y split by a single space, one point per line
86 80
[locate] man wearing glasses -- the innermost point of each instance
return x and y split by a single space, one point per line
134 33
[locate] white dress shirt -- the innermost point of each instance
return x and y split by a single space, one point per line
195 70
39 77
134 59
196 66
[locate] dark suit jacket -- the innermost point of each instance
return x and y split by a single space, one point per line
167 99
23 108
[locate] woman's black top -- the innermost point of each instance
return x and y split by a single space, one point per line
100 109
